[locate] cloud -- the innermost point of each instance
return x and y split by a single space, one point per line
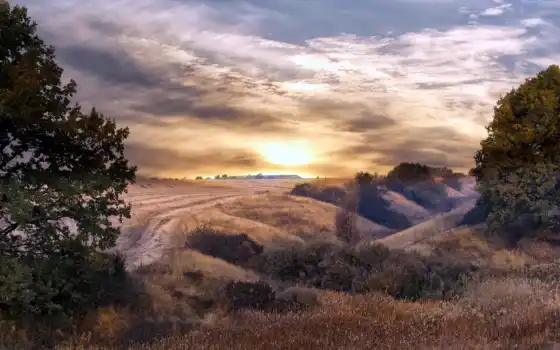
369 84
162 161
112 66
435 146
496 11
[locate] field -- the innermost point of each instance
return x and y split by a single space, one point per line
165 211
510 302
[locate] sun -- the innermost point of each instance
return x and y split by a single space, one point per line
286 154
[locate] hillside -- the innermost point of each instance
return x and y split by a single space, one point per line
247 267
165 212
415 203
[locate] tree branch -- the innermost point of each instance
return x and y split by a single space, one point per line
9 229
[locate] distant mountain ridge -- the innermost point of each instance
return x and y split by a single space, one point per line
261 176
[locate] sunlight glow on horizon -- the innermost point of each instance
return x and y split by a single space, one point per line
286 153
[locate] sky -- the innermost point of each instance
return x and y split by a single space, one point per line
312 87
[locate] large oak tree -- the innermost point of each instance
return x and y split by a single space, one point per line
518 164
62 170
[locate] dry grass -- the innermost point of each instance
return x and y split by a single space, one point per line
294 215
501 314
470 244
326 182
183 304
171 183
426 230
512 310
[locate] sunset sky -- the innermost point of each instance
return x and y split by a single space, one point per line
314 87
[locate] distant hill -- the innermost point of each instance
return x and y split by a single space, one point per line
398 207
261 176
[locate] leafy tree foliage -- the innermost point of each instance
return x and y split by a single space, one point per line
62 171
407 173
441 172
62 176
61 286
517 165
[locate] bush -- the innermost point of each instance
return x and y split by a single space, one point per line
365 269
294 263
330 194
44 294
249 295
409 276
346 226
296 299
235 249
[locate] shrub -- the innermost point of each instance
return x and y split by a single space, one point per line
249 295
41 295
235 249
409 276
329 194
303 189
296 299
365 269
346 225
332 194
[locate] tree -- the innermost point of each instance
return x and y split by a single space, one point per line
199 178
409 173
518 164
59 167
62 177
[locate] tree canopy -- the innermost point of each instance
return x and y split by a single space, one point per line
407 173
62 171
517 165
